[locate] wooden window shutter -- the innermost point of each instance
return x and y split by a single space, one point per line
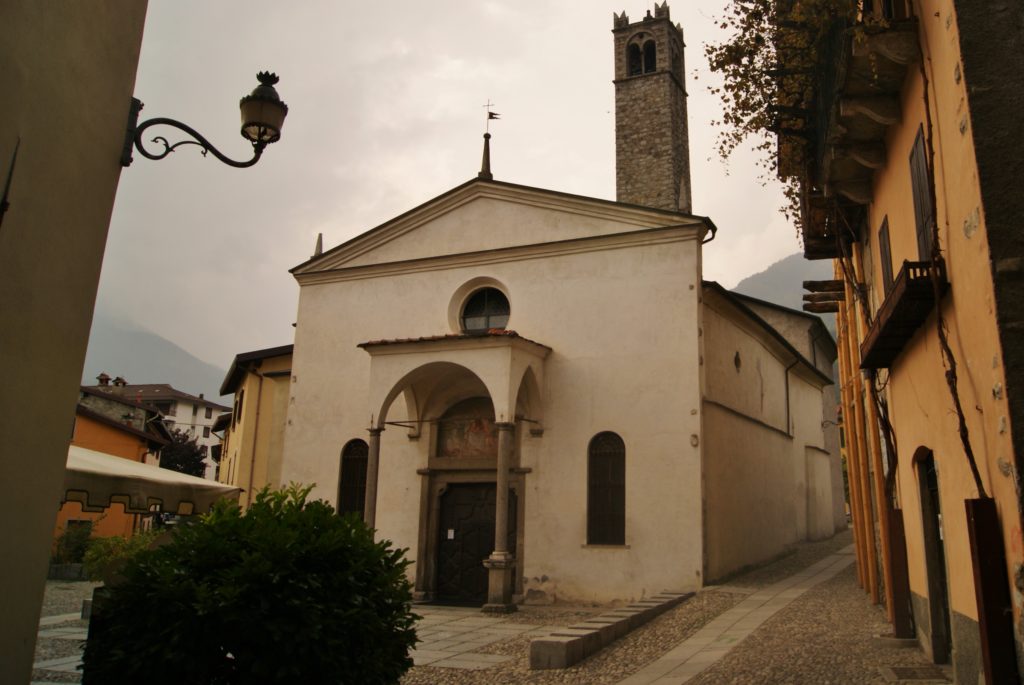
921 186
885 254
606 490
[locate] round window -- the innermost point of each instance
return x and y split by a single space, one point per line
485 309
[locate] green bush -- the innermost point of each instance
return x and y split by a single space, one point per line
285 592
71 544
105 555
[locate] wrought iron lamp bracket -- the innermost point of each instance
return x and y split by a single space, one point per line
134 138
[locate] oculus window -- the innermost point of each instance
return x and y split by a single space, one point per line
487 308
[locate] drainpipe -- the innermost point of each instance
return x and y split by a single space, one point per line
789 410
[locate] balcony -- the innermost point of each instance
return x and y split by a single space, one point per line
906 307
835 139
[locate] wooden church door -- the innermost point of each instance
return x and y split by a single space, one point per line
466 539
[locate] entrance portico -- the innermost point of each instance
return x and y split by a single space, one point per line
466 393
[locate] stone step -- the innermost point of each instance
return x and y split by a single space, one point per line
571 645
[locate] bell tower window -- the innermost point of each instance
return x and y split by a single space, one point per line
634 60
650 57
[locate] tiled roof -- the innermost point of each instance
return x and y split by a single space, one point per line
489 333
96 416
240 365
151 392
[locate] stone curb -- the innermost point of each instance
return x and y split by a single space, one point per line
571 645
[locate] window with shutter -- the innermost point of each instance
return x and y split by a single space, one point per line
885 254
920 179
606 490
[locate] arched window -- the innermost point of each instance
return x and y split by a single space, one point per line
606 490
650 57
634 61
352 483
485 309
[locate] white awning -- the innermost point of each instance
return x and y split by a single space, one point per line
97 480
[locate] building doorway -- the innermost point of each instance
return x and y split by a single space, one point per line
935 555
466 539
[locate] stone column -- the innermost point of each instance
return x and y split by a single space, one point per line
372 467
501 563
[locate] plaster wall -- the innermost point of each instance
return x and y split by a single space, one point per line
69 71
109 440
490 216
254 445
820 524
816 345
802 332
755 459
621 323
922 410
193 424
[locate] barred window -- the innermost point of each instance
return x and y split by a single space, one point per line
606 490
352 483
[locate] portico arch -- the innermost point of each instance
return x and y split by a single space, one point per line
497 368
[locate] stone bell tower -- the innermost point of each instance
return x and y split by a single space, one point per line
652 145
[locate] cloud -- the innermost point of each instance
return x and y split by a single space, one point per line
385 112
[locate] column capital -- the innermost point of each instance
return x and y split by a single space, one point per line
375 430
504 425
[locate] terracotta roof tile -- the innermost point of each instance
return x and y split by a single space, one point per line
489 333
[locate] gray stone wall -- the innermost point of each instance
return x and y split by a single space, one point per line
651 134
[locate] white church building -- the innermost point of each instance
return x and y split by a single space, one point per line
538 395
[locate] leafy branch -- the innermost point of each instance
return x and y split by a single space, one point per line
769 67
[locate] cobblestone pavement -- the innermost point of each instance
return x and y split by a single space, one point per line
822 637
61 633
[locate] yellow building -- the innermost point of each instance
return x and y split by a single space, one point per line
67 82
136 434
903 156
254 429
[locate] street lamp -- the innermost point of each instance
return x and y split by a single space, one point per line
263 115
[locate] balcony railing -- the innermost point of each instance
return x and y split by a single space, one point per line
908 304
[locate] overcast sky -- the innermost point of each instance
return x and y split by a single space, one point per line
385 113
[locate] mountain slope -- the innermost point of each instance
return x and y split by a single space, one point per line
782 283
124 349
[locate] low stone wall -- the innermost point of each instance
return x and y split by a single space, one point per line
580 640
66 572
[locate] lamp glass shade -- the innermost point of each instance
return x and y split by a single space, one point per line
262 119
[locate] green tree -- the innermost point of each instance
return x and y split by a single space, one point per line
285 592
183 455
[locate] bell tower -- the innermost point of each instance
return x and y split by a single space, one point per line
652 145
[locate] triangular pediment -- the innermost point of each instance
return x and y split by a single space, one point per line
483 216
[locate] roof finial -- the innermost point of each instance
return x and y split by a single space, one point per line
319 249
485 165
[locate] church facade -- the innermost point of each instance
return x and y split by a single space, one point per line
538 396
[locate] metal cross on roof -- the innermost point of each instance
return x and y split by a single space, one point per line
490 115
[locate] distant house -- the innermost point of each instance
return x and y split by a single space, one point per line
180 410
253 431
122 428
